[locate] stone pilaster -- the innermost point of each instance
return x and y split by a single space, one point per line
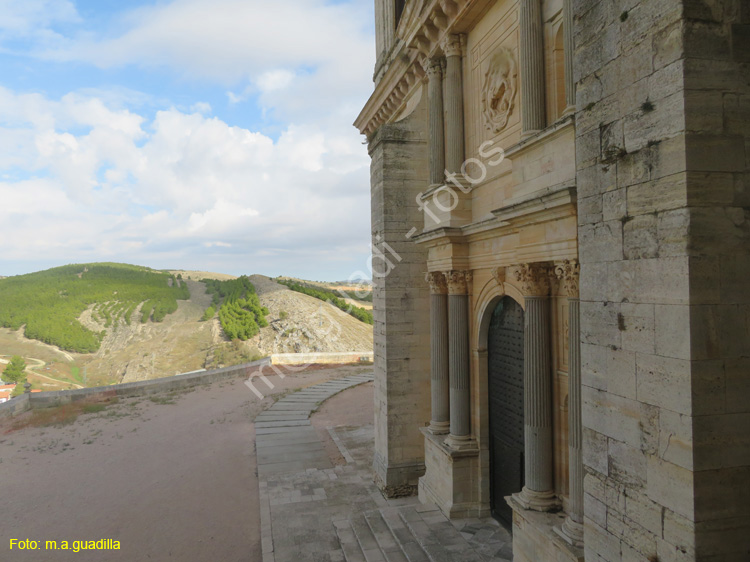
458 350
439 377
572 528
538 492
401 301
454 104
570 85
532 68
434 69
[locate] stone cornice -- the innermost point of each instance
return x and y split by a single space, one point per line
422 29
436 236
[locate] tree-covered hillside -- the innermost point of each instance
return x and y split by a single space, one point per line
240 312
50 302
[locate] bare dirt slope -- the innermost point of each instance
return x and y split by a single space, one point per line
140 351
302 324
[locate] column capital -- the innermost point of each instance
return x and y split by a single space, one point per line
567 272
433 67
458 282
453 45
438 285
533 278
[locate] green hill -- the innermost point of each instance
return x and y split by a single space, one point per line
50 302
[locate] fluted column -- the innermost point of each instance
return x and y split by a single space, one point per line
439 381
572 528
570 85
458 359
532 67
434 69
538 492
454 104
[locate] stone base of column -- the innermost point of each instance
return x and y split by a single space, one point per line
535 539
452 479
461 443
571 532
570 110
537 501
439 428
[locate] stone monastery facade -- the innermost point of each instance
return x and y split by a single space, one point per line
561 231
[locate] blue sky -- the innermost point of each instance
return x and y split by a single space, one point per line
194 134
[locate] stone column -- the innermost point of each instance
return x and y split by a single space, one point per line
434 69
533 116
538 492
458 354
439 378
454 104
570 85
572 528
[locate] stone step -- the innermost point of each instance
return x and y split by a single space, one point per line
407 542
437 536
385 539
348 541
415 533
367 541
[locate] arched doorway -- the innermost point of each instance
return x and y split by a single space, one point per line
505 398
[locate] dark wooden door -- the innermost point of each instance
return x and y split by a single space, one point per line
505 369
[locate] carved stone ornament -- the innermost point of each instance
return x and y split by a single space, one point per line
433 67
452 45
532 279
498 274
436 279
458 282
499 90
567 272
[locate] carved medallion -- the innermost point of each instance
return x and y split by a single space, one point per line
499 90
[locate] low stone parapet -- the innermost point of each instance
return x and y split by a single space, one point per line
322 358
14 406
139 388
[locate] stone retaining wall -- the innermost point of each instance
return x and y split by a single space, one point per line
56 398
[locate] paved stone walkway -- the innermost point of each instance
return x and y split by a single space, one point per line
314 511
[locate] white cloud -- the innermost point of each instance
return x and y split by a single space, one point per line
113 184
201 107
275 80
182 184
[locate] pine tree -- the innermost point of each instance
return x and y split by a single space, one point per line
15 371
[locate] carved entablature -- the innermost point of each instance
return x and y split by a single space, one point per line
458 282
426 31
499 90
532 278
438 285
568 272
